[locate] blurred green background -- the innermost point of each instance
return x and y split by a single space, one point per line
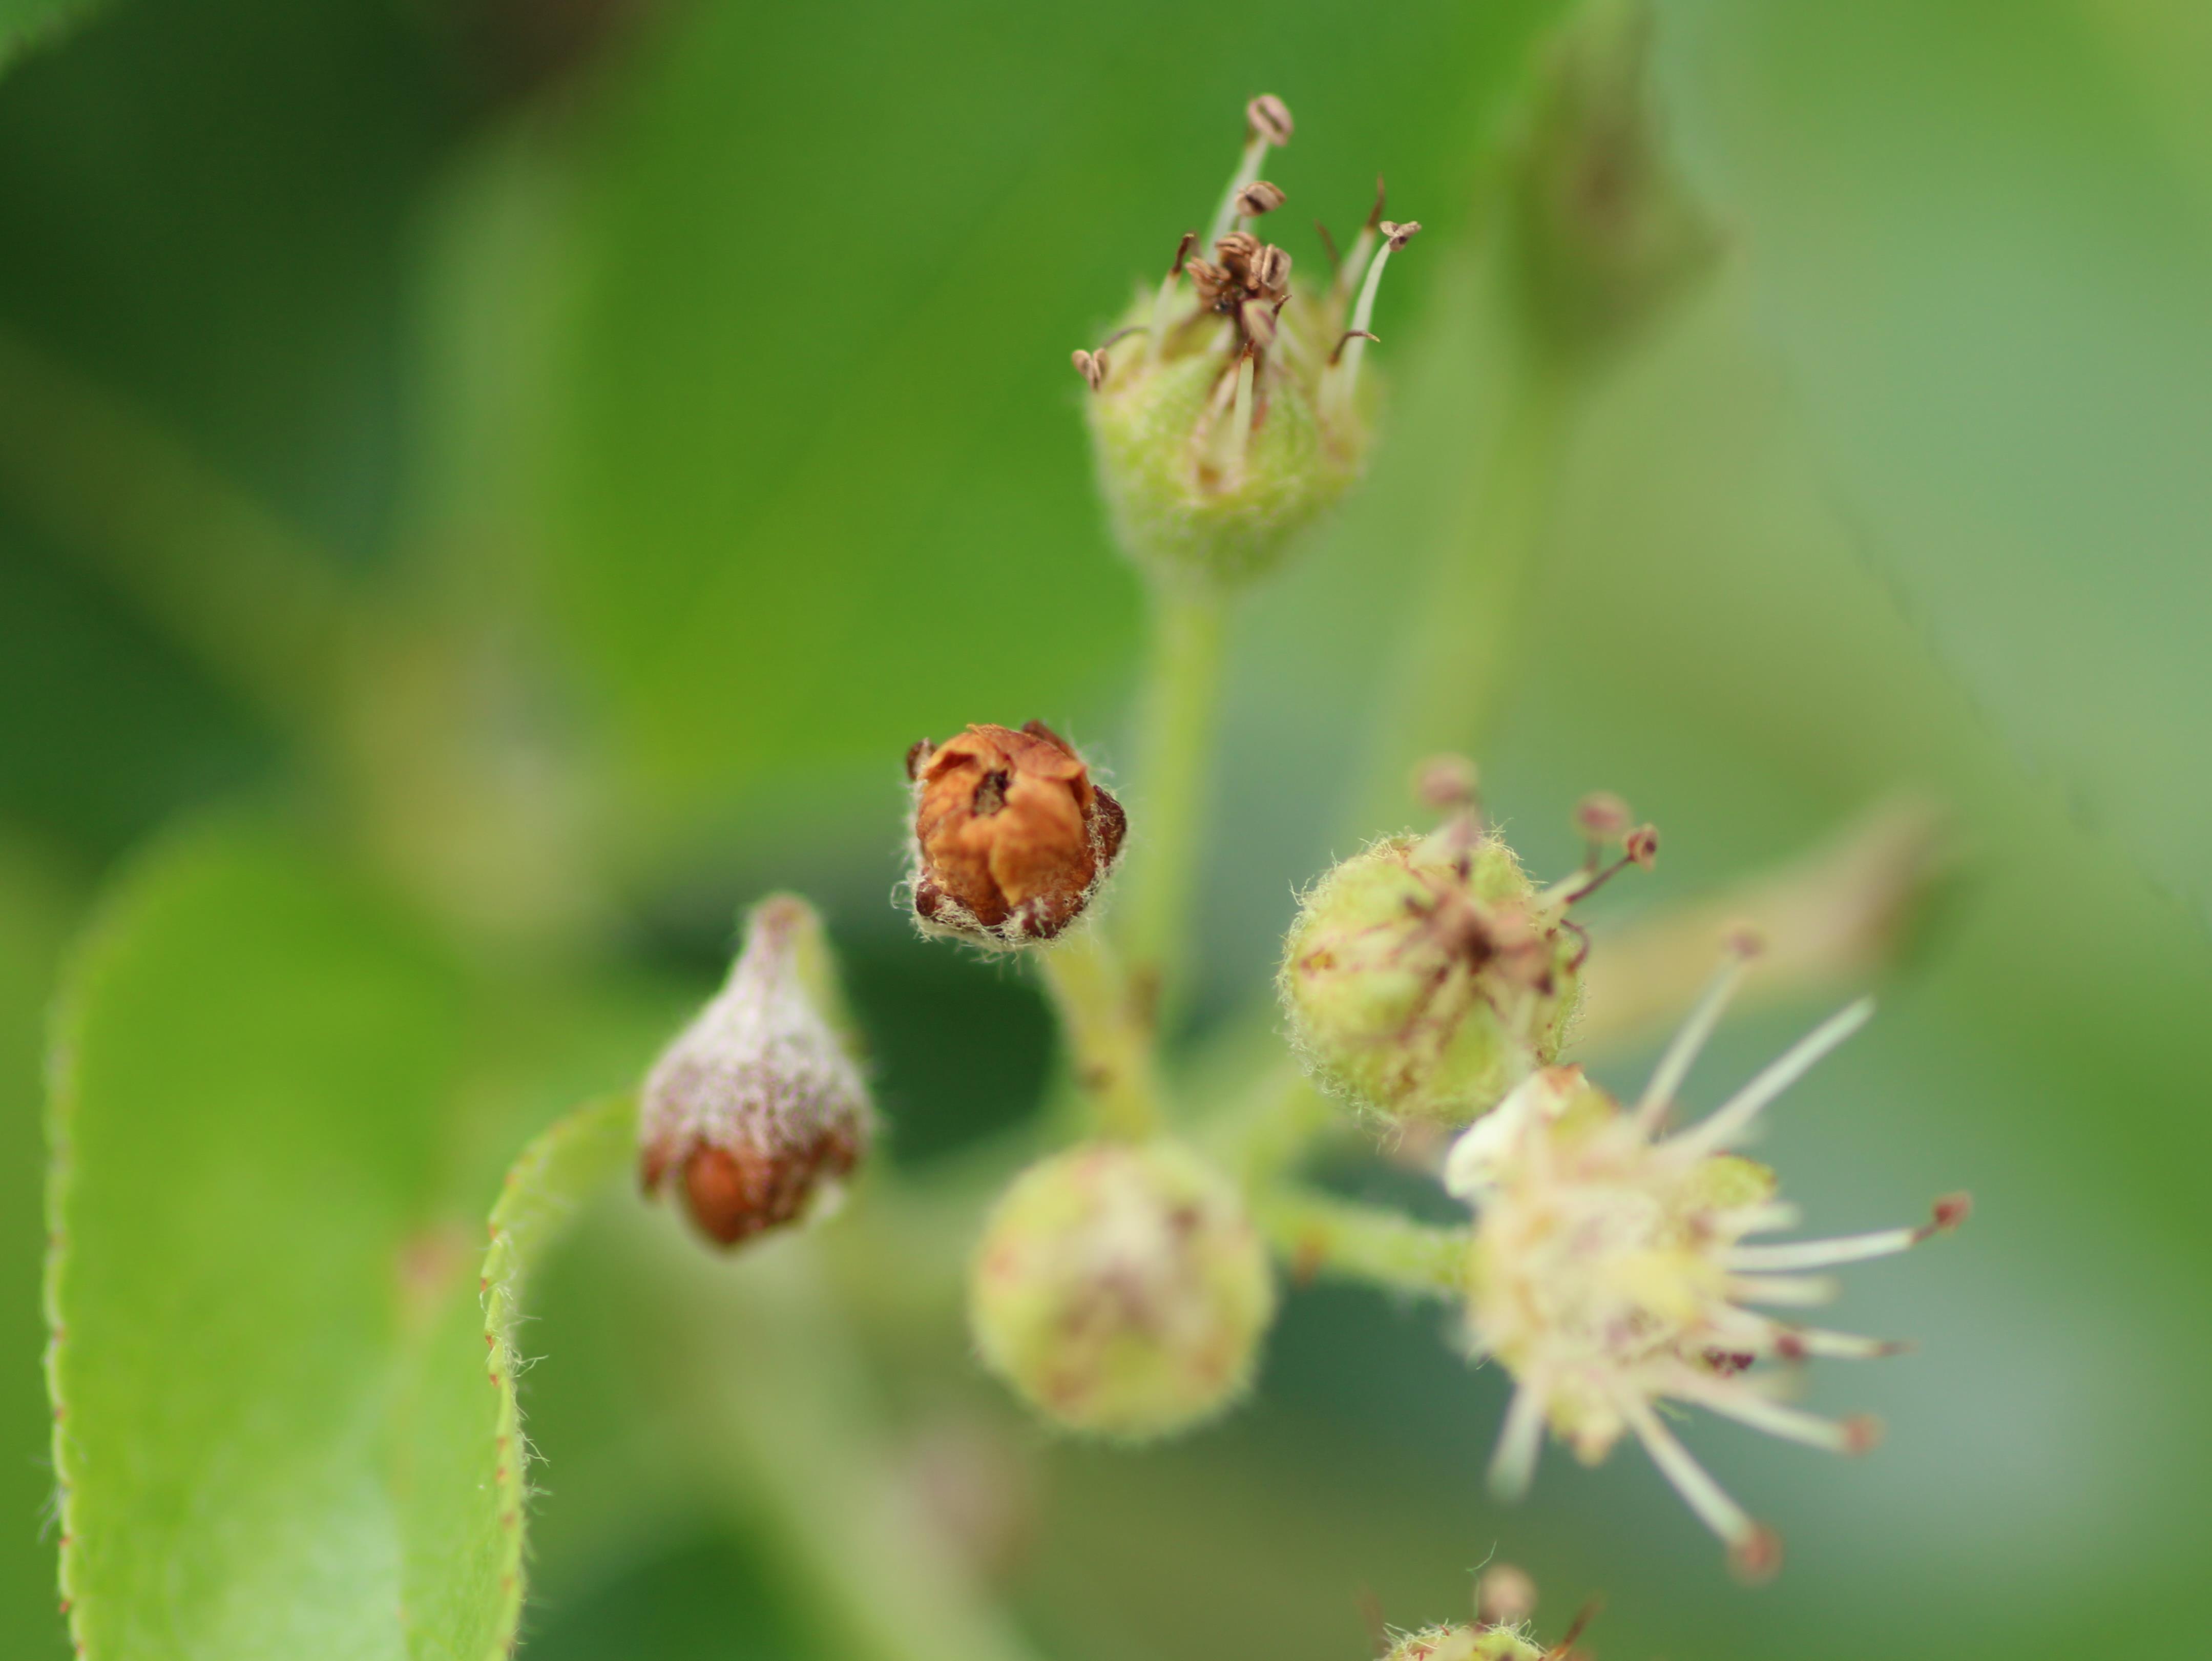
560 454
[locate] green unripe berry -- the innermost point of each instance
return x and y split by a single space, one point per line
1426 977
1226 409
1121 1290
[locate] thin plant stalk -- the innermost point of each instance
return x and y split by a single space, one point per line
1461 649
1108 1034
1178 718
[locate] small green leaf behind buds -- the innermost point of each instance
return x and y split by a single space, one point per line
1120 1289
1012 839
1605 236
757 1110
1426 977
1232 418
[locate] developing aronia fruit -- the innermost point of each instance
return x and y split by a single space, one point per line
1120 1289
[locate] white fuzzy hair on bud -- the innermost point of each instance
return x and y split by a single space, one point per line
1610 1271
756 1111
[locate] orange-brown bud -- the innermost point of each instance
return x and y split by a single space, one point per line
1011 838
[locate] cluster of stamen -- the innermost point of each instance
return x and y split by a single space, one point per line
1611 1269
1247 282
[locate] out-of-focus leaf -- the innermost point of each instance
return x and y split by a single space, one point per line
824 484
284 1425
24 23
1988 275
207 207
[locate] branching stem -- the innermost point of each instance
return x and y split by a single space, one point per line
1319 1234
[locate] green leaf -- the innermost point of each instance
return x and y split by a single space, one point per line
285 1423
822 452
25 23
1984 258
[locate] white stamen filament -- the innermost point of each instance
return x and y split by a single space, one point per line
1840 1345
1822 1254
1798 1290
1730 1120
1682 1054
1513 1466
1762 1218
1240 423
1342 376
1731 1400
1248 169
1704 1495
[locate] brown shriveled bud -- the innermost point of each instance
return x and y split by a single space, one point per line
1092 366
1258 197
757 1110
1272 272
1397 235
1268 117
1504 1595
1011 838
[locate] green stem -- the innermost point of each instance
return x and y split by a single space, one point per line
1321 1234
1109 1035
1175 746
1467 637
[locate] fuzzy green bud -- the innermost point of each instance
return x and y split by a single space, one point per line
1465 1644
1226 411
1426 977
1605 235
1121 1290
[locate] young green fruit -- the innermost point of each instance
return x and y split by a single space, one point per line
1227 413
1120 1289
1424 979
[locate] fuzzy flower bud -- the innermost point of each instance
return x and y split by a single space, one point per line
1505 1599
1121 1290
1227 411
1611 1271
756 1111
1426 977
1606 235
1465 1644
1012 839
